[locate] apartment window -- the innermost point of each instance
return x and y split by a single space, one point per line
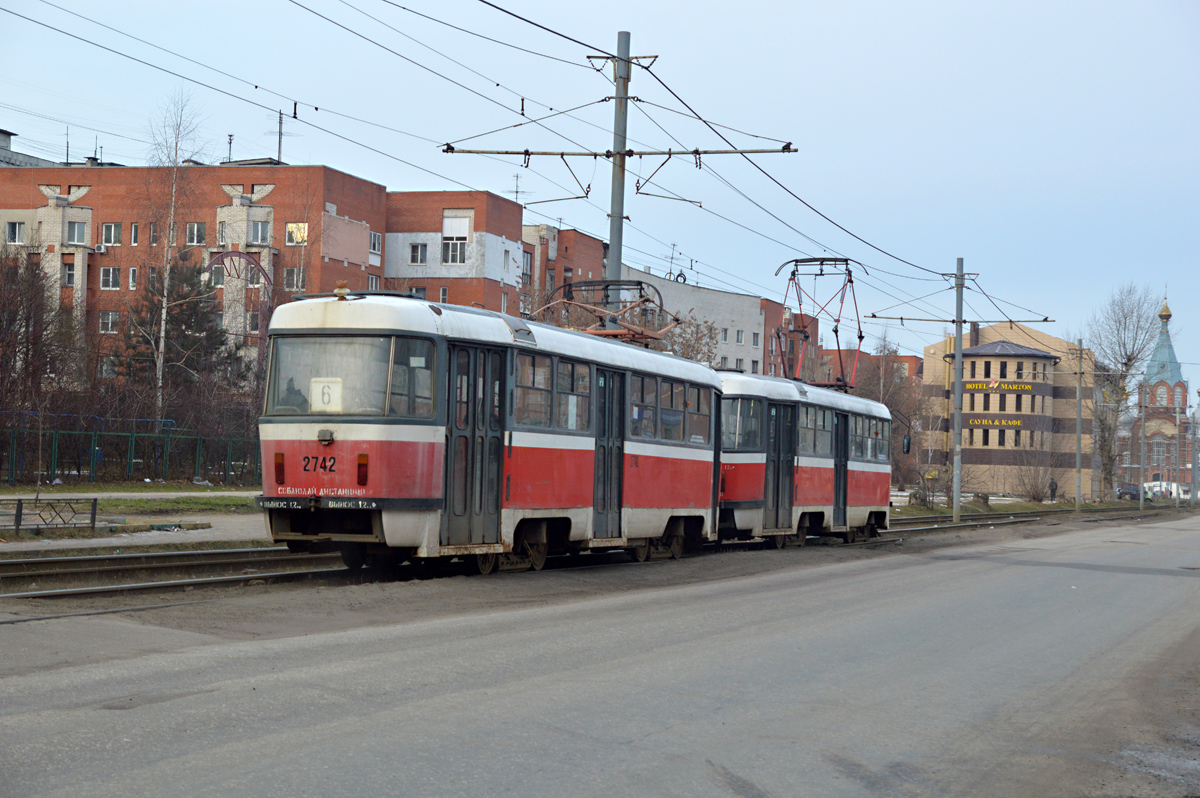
110 278
221 234
418 254
68 274
1003 397
76 233
254 278
110 234
724 335
1018 403
1016 438
753 366
218 276
377 243
970 437
772 345
504 303
293 279
133 278
550 282
297 234
739 364
1003 372
14 232
444 295
108 321
133 234
972 369
372 282
419 293
985 437
1000 437
195 234
1020 369
454 239
972 402
108 368
987 402
772 369
153 234
987 369
252 321
740 333
754 339
260 232
526 268
219 320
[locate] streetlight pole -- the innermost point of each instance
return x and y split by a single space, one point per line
959 282
1079 428
1142 455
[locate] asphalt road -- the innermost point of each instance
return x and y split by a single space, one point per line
1028 668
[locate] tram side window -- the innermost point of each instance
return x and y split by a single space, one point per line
532 400
573 395
412 379
670 412
856 437
699 414
643 392
807 425
871 428
741 421
883 452
824 435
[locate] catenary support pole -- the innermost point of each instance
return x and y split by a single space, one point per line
1079 427
616 216
1142 454
1178 486
1192 425
959 282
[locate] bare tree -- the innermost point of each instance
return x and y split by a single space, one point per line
174 139
693 338
1035 467
1121 336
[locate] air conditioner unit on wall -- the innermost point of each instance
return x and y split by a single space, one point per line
101 249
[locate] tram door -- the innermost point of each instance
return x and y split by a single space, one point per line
841 453
781 466
474 459
610 450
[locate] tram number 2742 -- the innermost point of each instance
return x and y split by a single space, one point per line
325 464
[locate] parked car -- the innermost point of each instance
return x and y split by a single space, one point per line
1129 492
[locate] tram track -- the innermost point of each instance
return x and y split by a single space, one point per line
44 577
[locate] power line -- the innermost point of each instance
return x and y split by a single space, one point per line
711 127
488 38
27 112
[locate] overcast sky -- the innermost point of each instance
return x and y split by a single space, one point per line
1052 145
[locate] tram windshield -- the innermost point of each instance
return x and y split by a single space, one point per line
741 424
350 376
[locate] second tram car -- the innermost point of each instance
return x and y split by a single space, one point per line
797 460
397 428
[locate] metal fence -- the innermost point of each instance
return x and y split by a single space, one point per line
75 457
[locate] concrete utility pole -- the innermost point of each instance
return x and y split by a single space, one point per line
1142 455
1178 457
616 215
1079 428
1195 440
959 283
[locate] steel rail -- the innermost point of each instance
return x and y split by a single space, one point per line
177 583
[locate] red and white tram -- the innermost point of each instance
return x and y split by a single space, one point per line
395 427
398 427
798 460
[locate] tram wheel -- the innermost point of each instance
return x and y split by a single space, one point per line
483 564
778 541
871 530
677 547
354 556
640 552
537 555
851 535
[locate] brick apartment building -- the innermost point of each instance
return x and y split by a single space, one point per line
100 232
276 230
461 247
833 361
